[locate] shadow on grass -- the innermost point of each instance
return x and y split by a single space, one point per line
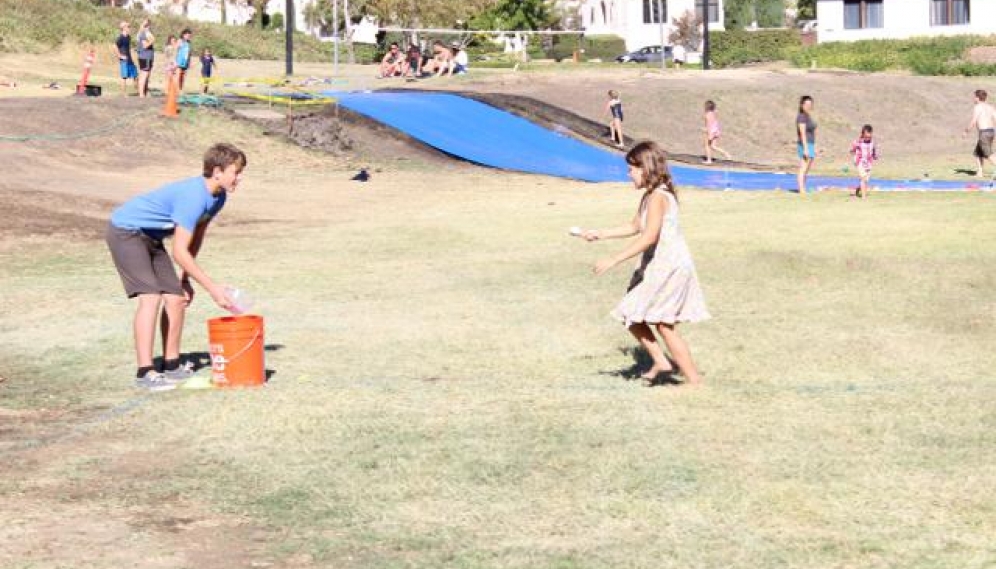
641 363
201 360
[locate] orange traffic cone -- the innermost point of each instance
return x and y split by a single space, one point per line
172 94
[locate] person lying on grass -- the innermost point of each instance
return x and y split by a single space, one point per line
135 236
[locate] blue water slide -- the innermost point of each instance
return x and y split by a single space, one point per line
489 136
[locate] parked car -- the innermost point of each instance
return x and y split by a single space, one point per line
648 54
806 26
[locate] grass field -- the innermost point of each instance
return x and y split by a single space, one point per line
448 390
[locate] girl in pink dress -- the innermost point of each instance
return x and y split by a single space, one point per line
712 132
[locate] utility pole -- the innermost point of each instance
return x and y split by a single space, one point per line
660 18
705 34
335 38
289 35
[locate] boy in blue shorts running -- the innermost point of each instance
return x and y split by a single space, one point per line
181 210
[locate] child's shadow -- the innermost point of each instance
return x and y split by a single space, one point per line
641 363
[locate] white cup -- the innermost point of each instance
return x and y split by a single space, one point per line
241 302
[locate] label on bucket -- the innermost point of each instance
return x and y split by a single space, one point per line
218 363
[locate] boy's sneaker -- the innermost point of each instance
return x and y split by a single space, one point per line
155 381
182 373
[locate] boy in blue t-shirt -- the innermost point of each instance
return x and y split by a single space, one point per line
135 235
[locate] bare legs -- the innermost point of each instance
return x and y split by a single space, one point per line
615 129
648 341
676 346
143 83
711 146
171 326
680 352
804 165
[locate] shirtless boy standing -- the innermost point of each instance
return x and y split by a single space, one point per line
983 119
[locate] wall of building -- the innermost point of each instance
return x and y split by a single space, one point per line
625 19
902 19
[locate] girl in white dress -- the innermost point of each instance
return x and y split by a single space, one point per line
664 289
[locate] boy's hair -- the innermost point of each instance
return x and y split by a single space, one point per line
614 94
867 128
710 106
185 32
652 159
982 95
223 155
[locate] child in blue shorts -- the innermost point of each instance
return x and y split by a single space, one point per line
805 127
181 210
126 64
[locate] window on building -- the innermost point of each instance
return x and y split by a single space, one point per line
713 9
859 14
652 11
949 12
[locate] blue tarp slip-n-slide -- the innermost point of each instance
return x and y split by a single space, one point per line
483 134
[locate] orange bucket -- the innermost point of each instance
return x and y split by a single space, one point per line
236 345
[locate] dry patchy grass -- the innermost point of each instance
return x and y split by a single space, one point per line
448 388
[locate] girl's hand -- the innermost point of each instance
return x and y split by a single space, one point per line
603 265
591 235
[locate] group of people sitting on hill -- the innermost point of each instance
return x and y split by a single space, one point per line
444 60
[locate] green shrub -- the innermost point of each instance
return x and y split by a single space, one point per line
39 26
276 22
923 56
605 48
737 47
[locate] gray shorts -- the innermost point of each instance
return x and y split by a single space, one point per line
143 263
984 148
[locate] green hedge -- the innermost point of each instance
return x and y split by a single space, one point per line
923 56
737 47
605 48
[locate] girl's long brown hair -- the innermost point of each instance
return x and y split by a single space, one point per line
652 160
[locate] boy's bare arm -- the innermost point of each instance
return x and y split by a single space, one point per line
183 243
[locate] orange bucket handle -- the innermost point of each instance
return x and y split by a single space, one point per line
245 348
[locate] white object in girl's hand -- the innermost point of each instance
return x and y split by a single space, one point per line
576 231
241 302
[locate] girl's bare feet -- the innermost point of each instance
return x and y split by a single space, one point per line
655 372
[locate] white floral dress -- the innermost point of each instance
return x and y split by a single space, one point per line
665 287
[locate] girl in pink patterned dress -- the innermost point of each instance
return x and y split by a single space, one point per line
712 132
664 289
865 154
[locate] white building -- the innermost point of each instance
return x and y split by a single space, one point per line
237 12
638 22
850 20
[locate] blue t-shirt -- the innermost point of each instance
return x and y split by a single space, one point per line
157 213
207 62
183 55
